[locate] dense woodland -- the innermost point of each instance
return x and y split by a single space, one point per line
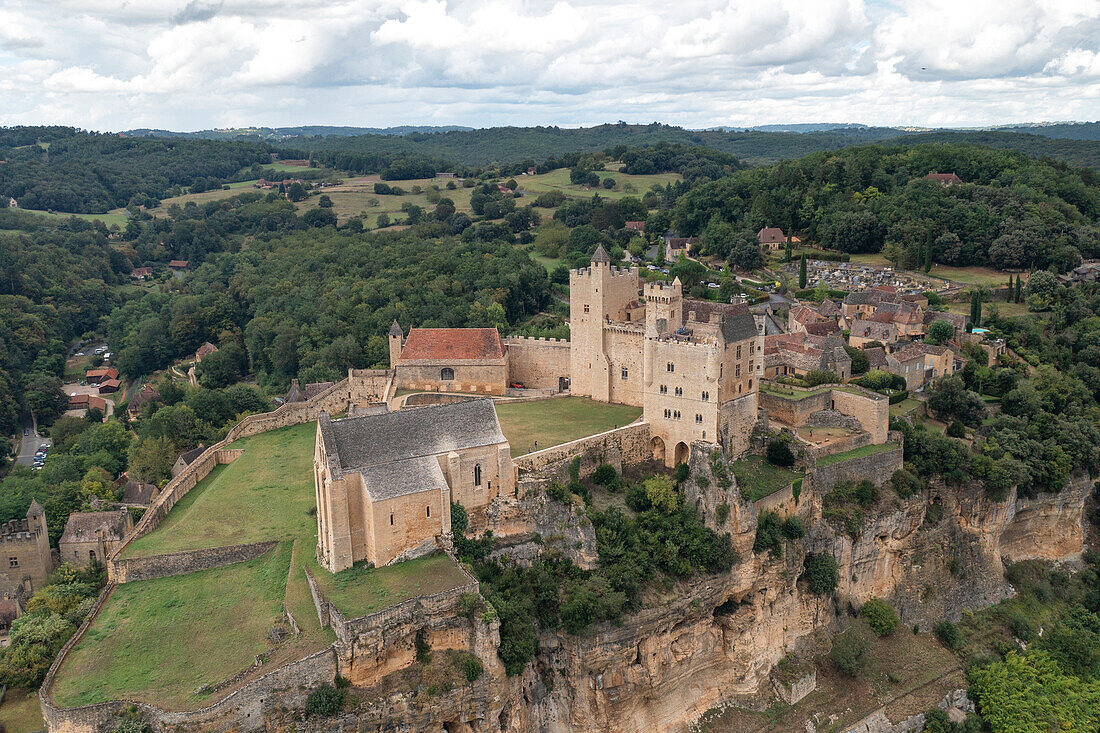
1011 211
285 295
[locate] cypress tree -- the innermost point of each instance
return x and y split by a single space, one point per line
802 273
928 254
1020 288
1011 289
977 308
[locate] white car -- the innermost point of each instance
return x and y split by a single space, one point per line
713 285
651 267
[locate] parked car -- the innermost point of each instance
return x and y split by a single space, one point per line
517 385
713 285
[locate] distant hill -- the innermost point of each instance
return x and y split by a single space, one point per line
282 133
1067 130
1081 152
802 127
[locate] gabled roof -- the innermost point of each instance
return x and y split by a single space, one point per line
771 235
206 349
372 440
92 526
829 308
876 357
188 457
299 393
737 323
450 344
943 178
179 263
909 352
600 255
823 328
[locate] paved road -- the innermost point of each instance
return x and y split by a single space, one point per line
29 444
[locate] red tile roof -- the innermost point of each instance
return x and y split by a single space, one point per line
771 235
206 349
102 373
452 343
944 179
182 264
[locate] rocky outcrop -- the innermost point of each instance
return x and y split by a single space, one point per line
713 641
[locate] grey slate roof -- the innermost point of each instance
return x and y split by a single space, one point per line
601 255
86 526
400 478
395 329
737 321
372 440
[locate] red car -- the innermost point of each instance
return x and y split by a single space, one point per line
517 385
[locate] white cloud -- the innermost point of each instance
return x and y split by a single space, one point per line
187 64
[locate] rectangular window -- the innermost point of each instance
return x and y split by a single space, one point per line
624 373
13 562
428 511
679 391
671 367
752 348
739 351
664 389
698 417
586 307
736 370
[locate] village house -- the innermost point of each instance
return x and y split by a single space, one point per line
299 393
92 536
83 401
109 386
771 238
141 273
676 246
178 266
797 354
449 359
635 226
204 351
865 331
27 560
185 459
876 358
100 374
12 203
944 179
385 481
908 363
135 493
145 395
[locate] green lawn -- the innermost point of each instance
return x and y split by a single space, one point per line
559 180
903 407
111 219
971 275
555 421
756 478
867 450
21 713
359 591
160 640
266 494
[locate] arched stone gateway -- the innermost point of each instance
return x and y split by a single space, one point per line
657 448
681 454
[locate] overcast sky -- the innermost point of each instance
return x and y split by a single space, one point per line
194 64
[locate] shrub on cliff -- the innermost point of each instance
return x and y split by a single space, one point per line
606 475
325 700
821 574
779 453
848 650
880 616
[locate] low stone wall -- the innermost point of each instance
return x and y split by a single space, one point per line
244 709
538 363
128 570
794 411
878 467
839 445
625 445
782 502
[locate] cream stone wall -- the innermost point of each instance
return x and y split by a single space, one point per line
403 523
538 363
872 410
624 350
497 477
736 420
475 376
598 293
680 374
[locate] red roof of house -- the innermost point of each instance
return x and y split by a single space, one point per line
141 271
206 349
771 235
943 178
101 373
453 343
109 384
179 263
88 401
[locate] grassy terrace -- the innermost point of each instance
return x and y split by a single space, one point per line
555 421
867 450
265 494
359 591
160 640
21 713
797 393
756 478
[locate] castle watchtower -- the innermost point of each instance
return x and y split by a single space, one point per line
600 295
396 336
664 306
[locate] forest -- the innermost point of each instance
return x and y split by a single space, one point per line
64 169
1009 212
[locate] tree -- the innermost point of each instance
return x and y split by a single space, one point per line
151 459
860 363
821 573
690 272
661 493
939 333
383 220
1019 289
1042 287
296 192
779 453
816 377
880 616
802 273
324 201
318 218
848 651
949 397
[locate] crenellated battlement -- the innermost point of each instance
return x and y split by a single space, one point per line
613 270
534 340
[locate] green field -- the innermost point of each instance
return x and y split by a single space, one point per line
354 197
559 420
905 406
867 450
21 713
114 218
627 185
160 640
971 275
359 591
266 494
756 478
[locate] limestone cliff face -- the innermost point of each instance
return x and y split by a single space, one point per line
714 640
